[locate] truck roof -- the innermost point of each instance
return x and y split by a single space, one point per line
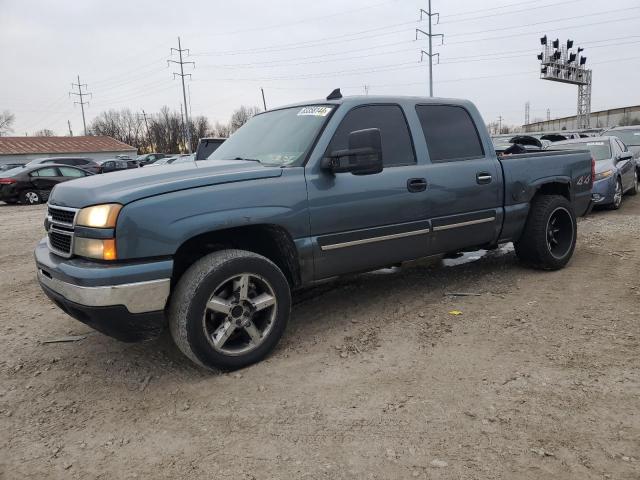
353 100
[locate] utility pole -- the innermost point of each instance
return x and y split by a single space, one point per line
527 110
184 134
430 34
500 124
548 114
366 89
264 102
70 132
144 116
82 103
184 91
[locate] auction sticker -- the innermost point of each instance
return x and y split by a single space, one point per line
315 111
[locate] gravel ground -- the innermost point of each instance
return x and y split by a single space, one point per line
537 378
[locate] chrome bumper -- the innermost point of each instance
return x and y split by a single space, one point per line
137 297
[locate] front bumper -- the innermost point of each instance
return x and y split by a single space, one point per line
603 191
125 301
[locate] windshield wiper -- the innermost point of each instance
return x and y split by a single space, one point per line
248 159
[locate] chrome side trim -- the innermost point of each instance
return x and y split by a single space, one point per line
463 224
374 239
137 297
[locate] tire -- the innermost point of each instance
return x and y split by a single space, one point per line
536 245
210 321
30 197
617 196
634 188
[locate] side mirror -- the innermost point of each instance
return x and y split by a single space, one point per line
363 157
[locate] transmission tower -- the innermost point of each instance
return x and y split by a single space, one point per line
527 109
430 35
548 114
184 91
82 103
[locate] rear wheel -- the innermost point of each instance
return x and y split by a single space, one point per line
229 309
549 236
31 197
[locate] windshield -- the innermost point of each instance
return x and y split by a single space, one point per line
599 150
629 137
280 137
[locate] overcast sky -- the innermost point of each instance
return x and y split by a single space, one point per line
299 50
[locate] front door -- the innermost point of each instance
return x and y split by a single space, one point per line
361 222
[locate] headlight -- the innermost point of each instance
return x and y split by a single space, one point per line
602 175
99 216
102 249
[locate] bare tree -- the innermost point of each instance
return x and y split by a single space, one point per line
242 116
45 132
221 130
6 121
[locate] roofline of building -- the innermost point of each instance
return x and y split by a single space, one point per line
611 110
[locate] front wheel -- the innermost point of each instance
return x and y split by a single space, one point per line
617 195
549 236
634 187
229 309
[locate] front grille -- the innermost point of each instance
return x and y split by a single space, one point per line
62 216
60 242
61 229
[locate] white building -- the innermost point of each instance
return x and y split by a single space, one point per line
601 119
25 149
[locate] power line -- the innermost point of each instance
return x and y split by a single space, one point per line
182 63
82 103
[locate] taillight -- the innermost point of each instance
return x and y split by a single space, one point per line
7 181
593 170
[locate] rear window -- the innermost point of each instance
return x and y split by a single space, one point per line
450 133
629 137
206 148
599 150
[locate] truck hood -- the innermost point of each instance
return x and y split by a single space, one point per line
130 185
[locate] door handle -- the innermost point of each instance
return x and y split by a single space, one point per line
417 184
482 178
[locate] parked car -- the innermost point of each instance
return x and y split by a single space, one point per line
298 195
112 165
149 158
32 184
206 146
630 136
162 161
81 162
615 172
184 159
133 164
527 142
10 166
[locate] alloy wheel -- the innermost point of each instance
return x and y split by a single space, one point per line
240 314
560 232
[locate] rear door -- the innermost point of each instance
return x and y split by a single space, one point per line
45 178
365 221
464 194
69 173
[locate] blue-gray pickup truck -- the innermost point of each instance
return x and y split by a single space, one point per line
212 250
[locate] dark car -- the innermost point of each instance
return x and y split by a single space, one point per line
149 158
32 184
615 172
112 165
81 162
206 146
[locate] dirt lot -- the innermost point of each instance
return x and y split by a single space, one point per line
538 378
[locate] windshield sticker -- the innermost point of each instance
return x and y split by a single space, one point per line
316 111
599 144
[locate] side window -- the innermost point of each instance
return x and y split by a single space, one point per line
47 172
71 172
449 132
397 148
81 161
108 164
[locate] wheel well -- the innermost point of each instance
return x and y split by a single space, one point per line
555 188
270 241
